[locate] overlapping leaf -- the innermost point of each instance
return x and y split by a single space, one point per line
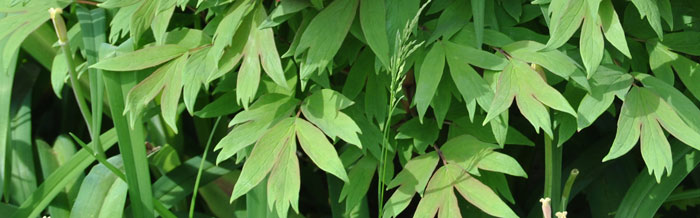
641 118
531 92
462 156
275 153
323 37
323 107
252 123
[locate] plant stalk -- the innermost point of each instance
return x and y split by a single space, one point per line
60 26
201 165
552 170
567 188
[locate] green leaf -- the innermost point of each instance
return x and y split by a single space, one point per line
324 36
177 184
428 78
170 97
642 116
284 11
466 151
372 11
7 75
476 90
140 95
224 34
520 82
564 23
323 107
478 11
102 193
188 38
50 159
317 147
660 62
466 36
162 19
415 174
591 44
650 10
62 177
196 71
93 29
450 21
476 57
364 65
612 29
142 18
439 188
411 180
608 82
440 196
141 59
252 123
265 155
479 194
360 176
646 195
260 49
59 73
502 163
284 183
131 138
22 181
686 42
463 125
555 61
685 107
423 134
220 106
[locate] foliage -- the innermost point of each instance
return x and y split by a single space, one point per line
349 108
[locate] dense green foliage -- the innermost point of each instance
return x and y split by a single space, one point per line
349 108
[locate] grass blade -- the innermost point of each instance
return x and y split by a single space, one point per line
7 74
60 178
92 26
48 158
131 144
23 180
102 194
645 196
116 185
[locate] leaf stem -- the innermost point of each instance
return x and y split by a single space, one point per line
552 170
567 188
201 165
86 2
60 26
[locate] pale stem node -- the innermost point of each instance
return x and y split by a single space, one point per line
561 214
546 207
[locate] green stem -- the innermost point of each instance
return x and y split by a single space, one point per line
60 27
201 165
567 188
552 170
